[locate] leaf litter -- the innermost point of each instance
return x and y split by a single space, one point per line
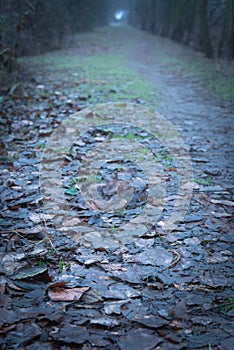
158 291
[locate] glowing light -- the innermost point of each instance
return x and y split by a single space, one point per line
119 15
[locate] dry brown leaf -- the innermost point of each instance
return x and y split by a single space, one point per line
62 294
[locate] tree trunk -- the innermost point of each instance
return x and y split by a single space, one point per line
226 45
201 30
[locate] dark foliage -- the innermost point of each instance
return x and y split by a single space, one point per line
35 26
206 25
29 27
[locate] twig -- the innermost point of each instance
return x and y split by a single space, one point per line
28 240
30 5
4 51
176 259
47 237
46 233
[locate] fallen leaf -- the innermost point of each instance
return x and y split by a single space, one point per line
62 294
29 272
37 218
179 311
138 338
105 321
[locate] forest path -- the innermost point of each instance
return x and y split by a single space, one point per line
126 281
202 119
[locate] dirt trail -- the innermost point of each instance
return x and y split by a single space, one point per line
160 289
205 122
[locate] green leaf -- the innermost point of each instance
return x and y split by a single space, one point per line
71 191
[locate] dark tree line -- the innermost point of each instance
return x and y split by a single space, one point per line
34 26
207 25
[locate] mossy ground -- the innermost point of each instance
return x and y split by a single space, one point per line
105 76
101 60
217 76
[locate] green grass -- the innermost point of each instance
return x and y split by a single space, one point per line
111 78
144 150
205 182
114 228
62 264
107 76
227 305
7 159
53 61
122 82
129 136
218 78
91 178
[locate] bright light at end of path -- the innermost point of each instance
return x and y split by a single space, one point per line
119 15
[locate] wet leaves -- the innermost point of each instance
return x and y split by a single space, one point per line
156 257
26 273
152 289
214 281
71 334
24 334
138 336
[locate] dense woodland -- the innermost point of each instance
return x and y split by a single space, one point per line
34 26
206 25
29 27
